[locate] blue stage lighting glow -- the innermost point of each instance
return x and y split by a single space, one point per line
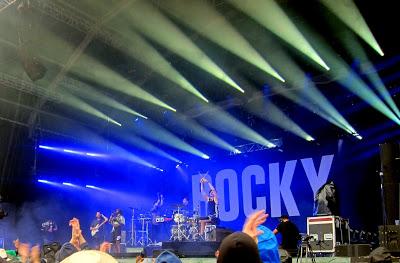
91 186
177 166
69 184
43 181
71 151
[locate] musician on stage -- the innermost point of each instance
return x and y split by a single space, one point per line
187 208
117 220
157 228
212 206
97 229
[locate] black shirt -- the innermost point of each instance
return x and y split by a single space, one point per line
290 235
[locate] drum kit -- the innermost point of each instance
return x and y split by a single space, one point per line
185 228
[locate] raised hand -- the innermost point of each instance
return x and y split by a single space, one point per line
252 222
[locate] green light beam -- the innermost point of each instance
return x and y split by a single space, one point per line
197 131
81 105
267 111
357 51
351 81
147 146
217 119
204 19
137 47
271 16
83 90
155 132
305 87
310 106
167 34
91 69
348 13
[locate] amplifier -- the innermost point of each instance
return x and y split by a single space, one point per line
353 250
327 232
392 242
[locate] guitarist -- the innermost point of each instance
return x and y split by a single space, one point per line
97 229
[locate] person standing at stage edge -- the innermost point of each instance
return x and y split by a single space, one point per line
290 235
117 220
97 229
212 206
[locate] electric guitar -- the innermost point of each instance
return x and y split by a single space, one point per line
94 231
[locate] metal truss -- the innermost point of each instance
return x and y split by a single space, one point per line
76 19
255 147
6 3
13 82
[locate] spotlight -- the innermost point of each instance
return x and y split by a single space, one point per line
69 184
205 156
46 147
310 139
358 136
177 166
43 181
91 186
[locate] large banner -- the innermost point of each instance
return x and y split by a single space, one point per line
279 187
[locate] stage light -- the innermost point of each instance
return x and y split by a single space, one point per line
271 16
163 31
68 184
310 139
94 154
219 31
81 105
91 186
236 151
177 166
348 13
358 136
47 147
205 156
43 181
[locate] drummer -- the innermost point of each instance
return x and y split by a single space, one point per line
187 208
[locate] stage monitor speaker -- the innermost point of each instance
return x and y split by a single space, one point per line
353 250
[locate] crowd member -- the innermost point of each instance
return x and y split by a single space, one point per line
90 256
290 235
76 243
268 246
167 257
